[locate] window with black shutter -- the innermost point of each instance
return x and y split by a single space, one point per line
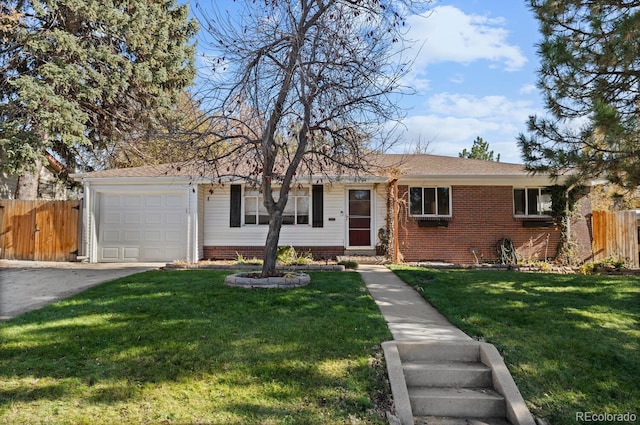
317 200
236 205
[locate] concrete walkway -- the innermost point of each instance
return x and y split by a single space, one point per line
408 315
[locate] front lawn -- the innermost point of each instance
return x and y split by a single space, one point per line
181 348
572 342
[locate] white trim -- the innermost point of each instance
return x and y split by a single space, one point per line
93 196
479 180
192 226
467 179
197 180
372 215
436 215
292 197
526 202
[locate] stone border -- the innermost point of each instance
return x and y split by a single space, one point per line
397 382
517 410
288 281
249 267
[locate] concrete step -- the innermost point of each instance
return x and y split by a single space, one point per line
447 374
439 420
458 351
456 402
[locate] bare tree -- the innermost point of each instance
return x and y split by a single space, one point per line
303 87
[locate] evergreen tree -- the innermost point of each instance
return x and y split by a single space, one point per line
77 75
479 150
590 76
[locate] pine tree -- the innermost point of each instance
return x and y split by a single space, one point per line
479 150
76 75
590 76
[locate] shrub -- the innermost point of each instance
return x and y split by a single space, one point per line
605 265
287 256
253 261
543 266
349 264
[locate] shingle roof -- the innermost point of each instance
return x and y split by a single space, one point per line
435 165
401 164
146 171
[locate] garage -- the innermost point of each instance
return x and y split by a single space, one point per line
139 227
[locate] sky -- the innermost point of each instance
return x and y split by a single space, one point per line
474 75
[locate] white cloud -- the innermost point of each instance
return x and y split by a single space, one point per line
528 89
447 34
452 121
492 107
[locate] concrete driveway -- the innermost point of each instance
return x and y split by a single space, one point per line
29 285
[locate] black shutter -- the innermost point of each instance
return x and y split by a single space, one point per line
236 204
317 205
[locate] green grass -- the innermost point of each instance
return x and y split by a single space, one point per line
182 348
572 342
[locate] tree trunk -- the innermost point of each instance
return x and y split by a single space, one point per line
271 245
28 181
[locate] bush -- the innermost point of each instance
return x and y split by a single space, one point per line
605 265
287 256
543 266
253 261
349 264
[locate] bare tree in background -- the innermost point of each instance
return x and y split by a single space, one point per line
303 87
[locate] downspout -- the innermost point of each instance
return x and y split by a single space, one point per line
567 215
87 225
192 225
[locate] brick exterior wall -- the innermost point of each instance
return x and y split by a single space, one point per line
481 216
231 252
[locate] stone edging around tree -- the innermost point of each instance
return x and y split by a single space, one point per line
287 281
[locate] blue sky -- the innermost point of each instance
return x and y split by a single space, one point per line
474 75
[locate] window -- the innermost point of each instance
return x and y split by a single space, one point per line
532 201
297 209
295 212
430 201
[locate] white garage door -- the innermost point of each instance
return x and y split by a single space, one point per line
142 227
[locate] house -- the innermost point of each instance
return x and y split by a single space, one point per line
50 186
438 208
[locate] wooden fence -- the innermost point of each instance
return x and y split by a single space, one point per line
39 230
615 234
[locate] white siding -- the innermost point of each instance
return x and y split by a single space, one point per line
217 231
201 198
380 210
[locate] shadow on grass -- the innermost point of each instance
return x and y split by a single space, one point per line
572 342
111 343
